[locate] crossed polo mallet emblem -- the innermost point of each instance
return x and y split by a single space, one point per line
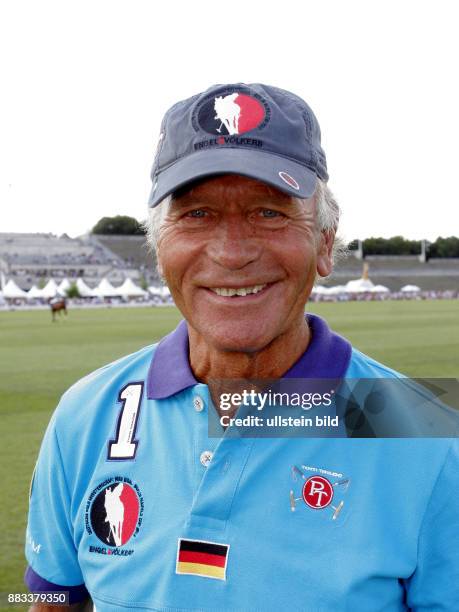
318 486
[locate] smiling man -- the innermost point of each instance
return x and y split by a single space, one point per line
135 506
240 258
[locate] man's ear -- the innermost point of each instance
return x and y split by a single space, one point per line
325 252
159 267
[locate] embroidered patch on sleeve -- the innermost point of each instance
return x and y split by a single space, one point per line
207 559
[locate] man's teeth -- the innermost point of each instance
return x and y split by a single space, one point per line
229 292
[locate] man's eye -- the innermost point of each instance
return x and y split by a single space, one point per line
268 213
198 213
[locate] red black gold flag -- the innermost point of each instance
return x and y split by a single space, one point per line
202 558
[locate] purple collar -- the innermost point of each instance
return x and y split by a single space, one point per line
327 356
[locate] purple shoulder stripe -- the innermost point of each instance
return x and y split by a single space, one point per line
37 584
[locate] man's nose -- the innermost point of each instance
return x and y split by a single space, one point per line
233 244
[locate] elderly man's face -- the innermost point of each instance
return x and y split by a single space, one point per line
240 259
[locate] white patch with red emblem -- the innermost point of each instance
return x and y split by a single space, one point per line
289 180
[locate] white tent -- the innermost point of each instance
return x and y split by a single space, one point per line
12 291
336 290
130 289
379 289
359 285
155 291
320 290
50 289
63 286
34 292
410 289
105 289
162 292
83 288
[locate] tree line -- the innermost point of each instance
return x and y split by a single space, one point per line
398 245
120 225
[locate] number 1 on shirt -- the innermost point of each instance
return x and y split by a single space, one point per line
124 446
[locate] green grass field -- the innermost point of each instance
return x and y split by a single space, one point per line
39 360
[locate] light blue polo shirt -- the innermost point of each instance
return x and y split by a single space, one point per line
133 502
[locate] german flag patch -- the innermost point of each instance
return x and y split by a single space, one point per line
201 558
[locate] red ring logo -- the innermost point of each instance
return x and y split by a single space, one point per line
318 492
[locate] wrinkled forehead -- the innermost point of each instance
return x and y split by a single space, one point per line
235 186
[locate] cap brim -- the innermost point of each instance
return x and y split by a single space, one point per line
284 174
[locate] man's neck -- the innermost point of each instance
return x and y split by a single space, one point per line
207 362
226 371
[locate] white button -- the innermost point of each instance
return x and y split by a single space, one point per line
206 458
198 403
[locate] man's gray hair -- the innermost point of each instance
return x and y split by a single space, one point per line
328 214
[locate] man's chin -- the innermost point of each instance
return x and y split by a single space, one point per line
237 337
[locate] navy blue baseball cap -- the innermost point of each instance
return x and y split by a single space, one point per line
255 130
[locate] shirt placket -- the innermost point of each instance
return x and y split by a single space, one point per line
219 465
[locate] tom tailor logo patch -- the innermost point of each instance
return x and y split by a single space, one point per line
201 558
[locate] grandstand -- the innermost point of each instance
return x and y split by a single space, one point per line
133 250
31 258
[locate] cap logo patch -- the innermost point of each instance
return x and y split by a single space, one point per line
232 113
289 180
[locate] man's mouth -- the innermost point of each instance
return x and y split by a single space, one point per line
239 291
